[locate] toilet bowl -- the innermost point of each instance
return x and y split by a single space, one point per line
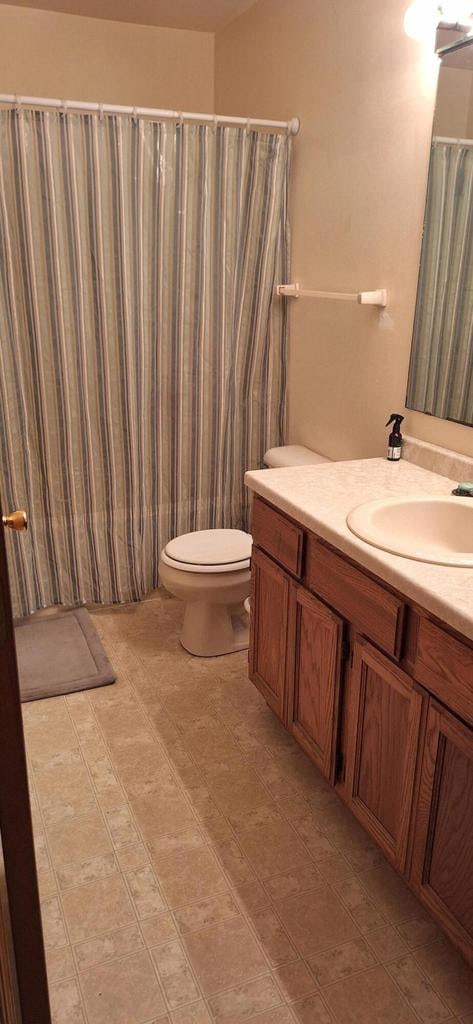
210 571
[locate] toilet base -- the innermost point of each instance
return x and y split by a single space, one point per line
210 630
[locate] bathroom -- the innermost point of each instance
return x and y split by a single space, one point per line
257 808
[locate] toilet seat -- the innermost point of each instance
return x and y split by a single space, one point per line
209 551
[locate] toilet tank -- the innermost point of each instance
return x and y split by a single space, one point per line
292 455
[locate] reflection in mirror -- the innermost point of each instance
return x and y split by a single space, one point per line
441 368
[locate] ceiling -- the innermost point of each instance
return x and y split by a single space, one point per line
202 15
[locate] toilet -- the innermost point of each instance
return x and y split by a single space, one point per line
210 571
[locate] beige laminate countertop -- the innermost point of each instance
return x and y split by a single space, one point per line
320 497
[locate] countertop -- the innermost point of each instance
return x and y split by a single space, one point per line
320 497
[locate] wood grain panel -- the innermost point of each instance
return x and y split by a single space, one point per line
269 627
371 609
278 536
445 666
442 854
314 680
384 721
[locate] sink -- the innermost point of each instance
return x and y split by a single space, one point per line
428 529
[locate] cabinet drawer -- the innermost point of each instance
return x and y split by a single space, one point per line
373 611
277 536
445 667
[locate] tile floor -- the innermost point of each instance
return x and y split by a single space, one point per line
196 869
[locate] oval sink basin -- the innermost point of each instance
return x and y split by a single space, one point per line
438 530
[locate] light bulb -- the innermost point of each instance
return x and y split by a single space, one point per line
421 18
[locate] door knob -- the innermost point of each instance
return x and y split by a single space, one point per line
16 520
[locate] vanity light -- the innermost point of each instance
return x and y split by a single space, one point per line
423 16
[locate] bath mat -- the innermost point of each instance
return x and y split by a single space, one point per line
60 655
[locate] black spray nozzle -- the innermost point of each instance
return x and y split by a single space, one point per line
397 419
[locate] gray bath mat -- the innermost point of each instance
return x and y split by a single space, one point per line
59 655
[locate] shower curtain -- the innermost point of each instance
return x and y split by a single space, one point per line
441 368
142 352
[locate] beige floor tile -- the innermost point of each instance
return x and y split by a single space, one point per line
133 857
66 1003
83 852
196 1013
279 1015
367 916
224 955
101 906
243 1002
238 791
315 921
449 974
291 883
161 810
273 939
123 992
108 947
334 868
192 875
311 1010
418 991
294 980
386 943
389 893
234 862
251 896
50 734
64 791
175 974
161 847
145 891
205 913
317 842
368 998
273 848
420 931
341 961
141 760
122 827
60 964
54 931
159 929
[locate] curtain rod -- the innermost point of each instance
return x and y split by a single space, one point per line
292 126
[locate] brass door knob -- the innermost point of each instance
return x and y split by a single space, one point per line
16 520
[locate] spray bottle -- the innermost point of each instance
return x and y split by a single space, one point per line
395 437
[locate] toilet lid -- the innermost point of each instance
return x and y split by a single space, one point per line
210 547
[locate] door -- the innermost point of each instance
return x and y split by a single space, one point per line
269 627
314 679
384 714
442 854
23 969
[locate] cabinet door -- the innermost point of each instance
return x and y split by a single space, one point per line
443 842
269 626
382 737
314 679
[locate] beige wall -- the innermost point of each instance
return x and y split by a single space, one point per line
365 94
47 54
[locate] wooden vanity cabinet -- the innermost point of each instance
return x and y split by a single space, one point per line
270 588
382 728
314 674
442 862
380 696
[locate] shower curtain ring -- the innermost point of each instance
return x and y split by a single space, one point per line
18 107
63 107
100 111
181 119
134 115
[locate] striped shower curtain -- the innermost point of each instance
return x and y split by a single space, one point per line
441 370
142 353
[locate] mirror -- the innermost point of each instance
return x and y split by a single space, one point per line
440 379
